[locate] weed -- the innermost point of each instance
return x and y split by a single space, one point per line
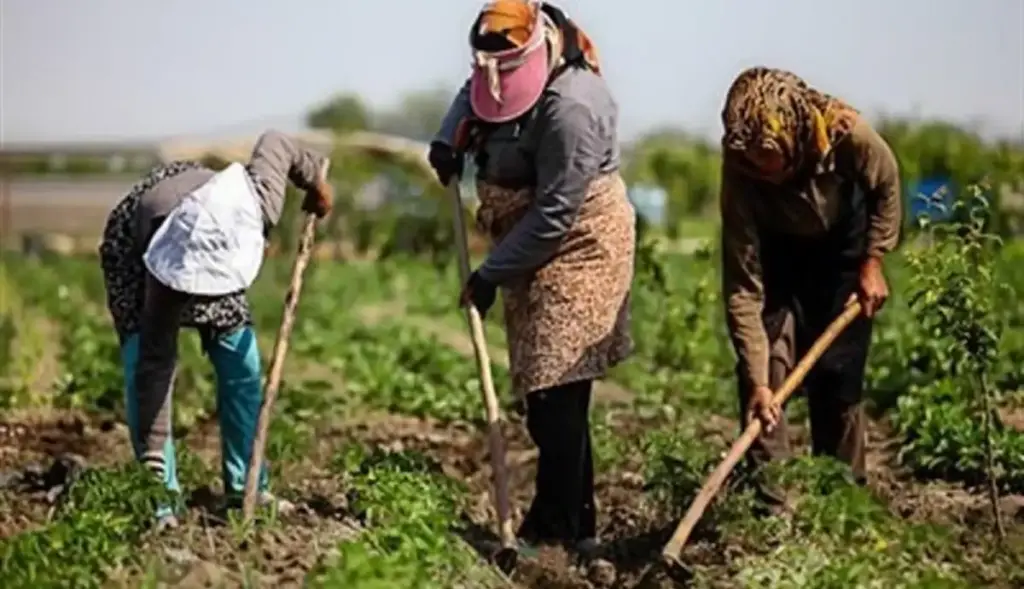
839 535
409 510
104 514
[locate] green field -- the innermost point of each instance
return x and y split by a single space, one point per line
378 438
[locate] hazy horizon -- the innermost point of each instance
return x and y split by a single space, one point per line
137 71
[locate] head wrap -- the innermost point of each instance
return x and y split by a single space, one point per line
775 108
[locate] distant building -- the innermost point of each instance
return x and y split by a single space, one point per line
91 157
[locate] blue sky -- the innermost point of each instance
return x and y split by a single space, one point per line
127 69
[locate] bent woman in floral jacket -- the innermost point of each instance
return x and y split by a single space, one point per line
179 250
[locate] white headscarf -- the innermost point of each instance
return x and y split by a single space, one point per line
212 243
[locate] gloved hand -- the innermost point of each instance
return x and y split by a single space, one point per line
446 161
479 293
320 198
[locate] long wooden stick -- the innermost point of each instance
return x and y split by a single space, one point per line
291 302
670 554
496 440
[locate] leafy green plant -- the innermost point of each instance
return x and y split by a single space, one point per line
676 466
409 510
22 345
89 354
953 294
104 514
395 367
354 351
838 535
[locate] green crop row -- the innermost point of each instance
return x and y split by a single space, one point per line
96 525
412 514
342 362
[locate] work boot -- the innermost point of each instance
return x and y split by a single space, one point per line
524 548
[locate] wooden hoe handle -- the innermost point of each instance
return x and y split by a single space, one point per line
291 302
496 441
670 553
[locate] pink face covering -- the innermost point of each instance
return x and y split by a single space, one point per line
506 84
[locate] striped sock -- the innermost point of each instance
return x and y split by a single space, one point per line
154 461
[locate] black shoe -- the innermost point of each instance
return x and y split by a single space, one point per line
588 548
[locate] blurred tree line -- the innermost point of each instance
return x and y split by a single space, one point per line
386 199
687 167
389 202
415 215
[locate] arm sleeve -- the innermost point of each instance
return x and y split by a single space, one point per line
880 179
742 285
568 158
459 110
276 160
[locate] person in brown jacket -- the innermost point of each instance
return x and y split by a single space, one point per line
810 206
545 138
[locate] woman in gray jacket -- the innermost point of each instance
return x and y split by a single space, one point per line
542 125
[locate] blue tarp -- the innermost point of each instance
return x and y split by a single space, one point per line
939 190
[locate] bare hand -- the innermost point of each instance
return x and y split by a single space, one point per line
761 405
873 290
319 199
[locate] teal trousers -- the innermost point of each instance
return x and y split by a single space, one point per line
236 363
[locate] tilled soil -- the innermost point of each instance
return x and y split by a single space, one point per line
29 444
463 455
206 550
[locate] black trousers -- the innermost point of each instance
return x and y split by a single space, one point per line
562 511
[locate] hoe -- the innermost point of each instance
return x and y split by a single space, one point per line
670 554
507 556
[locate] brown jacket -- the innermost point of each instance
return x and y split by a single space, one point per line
807 212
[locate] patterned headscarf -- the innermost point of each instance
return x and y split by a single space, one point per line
769 105
512 19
